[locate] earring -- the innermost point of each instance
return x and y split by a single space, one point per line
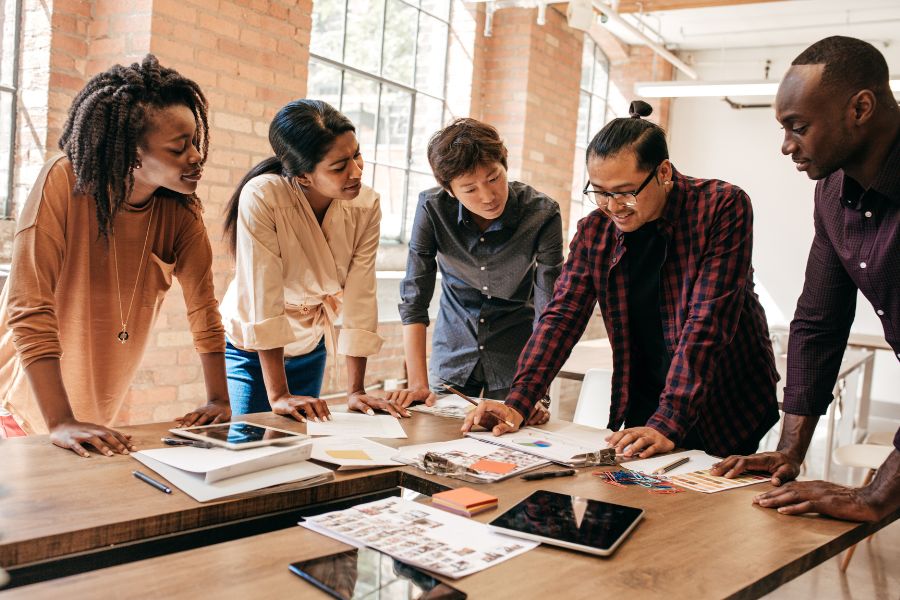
137 166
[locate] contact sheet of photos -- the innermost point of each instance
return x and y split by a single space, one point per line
421 536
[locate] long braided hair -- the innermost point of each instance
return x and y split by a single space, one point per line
106 125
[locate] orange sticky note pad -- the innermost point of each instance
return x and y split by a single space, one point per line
493 466
464 497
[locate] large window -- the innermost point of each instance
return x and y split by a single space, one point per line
10 16
383 64
593 114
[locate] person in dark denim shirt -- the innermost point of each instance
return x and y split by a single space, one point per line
498 245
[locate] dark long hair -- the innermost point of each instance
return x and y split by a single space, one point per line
301 134
646 139
107 122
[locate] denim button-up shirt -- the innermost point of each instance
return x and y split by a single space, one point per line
494 283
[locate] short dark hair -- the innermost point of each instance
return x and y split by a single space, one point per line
850 64
646 139
461 147
301 134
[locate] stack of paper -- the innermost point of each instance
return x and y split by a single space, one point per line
694 474
420 535
349 424
470 460
464 501
210 474
566 444
352 453
451 406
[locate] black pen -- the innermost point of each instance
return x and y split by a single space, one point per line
150 481
177 442
548 474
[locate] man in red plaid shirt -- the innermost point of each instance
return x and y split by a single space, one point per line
669 259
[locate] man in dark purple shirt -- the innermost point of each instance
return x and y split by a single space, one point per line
842 127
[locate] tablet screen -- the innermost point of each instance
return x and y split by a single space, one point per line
240 433
570 519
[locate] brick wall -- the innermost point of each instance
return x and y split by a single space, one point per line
251 57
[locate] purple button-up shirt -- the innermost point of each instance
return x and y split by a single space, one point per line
856 247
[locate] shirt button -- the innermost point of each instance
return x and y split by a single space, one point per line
489 297
868 214
615 260
480 239
482 268
484 287
481 320
879 312
481 347
862 265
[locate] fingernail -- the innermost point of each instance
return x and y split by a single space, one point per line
370 412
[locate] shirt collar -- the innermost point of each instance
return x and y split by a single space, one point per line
886 182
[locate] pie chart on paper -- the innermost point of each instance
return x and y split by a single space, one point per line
534 443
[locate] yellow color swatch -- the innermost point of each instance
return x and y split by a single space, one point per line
348 454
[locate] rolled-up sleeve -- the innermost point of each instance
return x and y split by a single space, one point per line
259 274
417 287
359 335
193 268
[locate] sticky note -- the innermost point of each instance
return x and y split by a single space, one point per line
348 454
493 466
465 497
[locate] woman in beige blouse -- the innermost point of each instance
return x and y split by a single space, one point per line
304 231
97 242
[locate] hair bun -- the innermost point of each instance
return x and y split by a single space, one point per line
639 108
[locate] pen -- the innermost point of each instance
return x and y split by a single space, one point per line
548 474
470 401
150 481
176 442
672 465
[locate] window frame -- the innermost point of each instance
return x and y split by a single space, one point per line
13 92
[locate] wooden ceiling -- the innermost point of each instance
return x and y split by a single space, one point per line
633 6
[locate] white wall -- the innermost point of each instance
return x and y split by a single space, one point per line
709 139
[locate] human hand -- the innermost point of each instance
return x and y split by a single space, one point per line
408 396
365 403
75 435
823 497
493 415
641 441
291 406
539 415
782 466
214 411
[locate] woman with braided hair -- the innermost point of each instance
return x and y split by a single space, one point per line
105 227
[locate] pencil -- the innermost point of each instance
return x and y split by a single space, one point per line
672 465
470 401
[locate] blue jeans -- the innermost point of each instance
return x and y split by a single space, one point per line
245 379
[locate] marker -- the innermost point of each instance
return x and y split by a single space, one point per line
150 481
673 465
470 401
548 474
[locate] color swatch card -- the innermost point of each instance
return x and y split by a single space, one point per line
469 460
570 445
353 424
694 474
421 535
451 406
352 453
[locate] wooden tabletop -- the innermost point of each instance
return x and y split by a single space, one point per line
689 544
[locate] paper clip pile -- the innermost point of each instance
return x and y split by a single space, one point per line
622 478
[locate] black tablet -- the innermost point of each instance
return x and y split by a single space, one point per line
572 522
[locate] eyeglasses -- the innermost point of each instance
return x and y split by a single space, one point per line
627 199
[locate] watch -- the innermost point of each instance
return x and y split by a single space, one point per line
545 401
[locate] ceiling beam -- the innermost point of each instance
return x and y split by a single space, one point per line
633 6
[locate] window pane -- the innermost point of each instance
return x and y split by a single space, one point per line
360 104
391 184
431 58
363 48
399 35
598 115
587 63
327 29
6 108
601 77
393 126
440 8
324 83
584 134
427 120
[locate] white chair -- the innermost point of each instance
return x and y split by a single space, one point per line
595 399
864 456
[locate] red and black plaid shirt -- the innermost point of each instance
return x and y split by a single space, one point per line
722 377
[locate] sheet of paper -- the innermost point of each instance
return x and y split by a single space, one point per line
421 535
194 485
694 474
466 452
353 453
567 446
216 464
357 425
451 406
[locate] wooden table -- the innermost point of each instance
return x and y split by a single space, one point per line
690 545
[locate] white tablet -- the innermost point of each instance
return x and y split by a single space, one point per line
573 522
239 435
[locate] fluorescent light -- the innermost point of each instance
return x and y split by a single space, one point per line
713 89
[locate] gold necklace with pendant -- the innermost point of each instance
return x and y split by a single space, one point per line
123 334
